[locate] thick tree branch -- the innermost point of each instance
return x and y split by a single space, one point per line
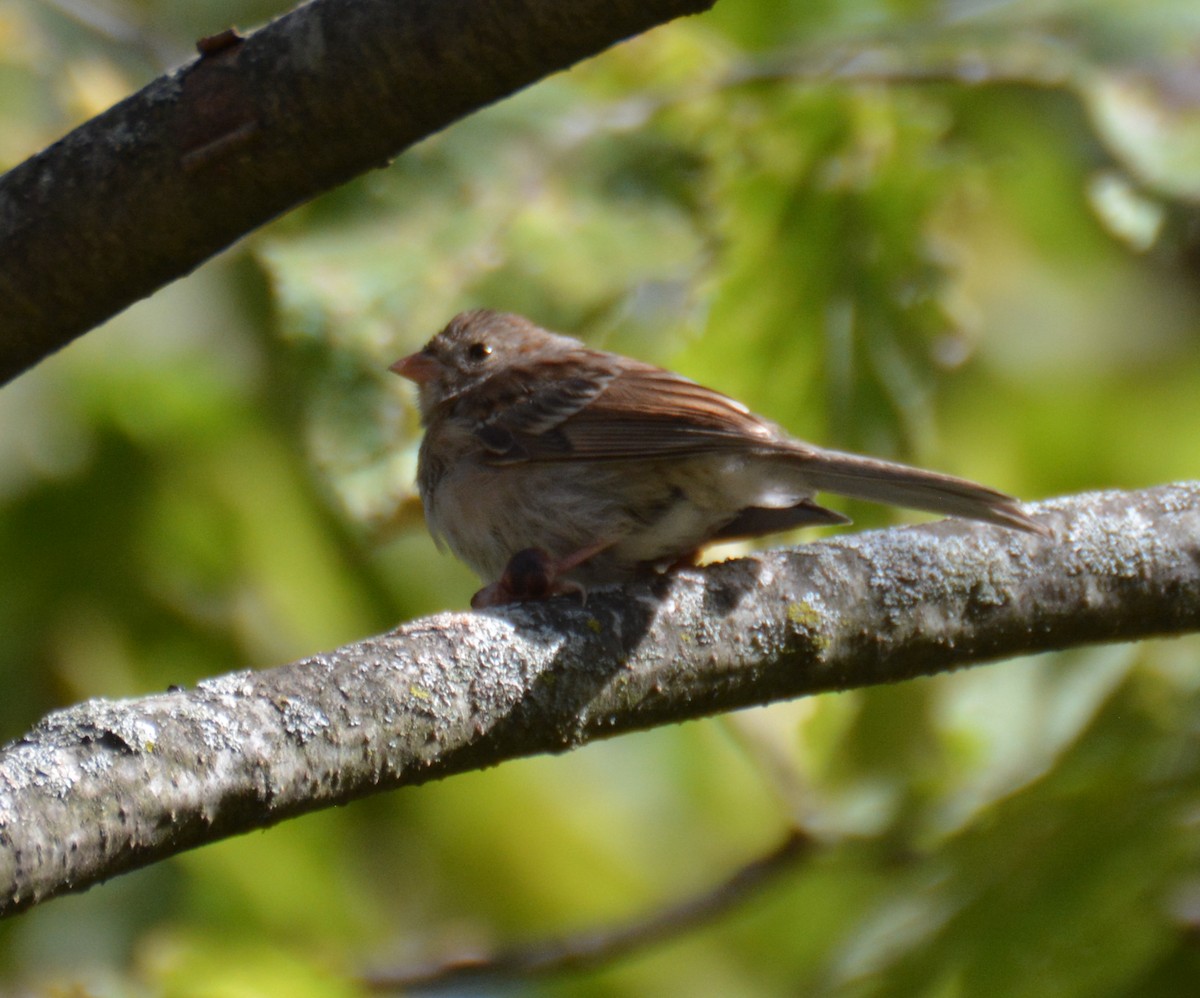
107 786
150 189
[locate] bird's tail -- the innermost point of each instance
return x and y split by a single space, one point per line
899 485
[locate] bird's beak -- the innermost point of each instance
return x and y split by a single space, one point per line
419 367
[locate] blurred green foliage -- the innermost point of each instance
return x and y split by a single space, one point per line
958 233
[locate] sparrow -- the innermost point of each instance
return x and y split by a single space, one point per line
548 466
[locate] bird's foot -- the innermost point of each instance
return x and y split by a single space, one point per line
534 574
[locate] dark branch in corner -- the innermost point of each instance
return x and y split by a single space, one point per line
595 948
108 786
148 190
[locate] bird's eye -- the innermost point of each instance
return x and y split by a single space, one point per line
478 351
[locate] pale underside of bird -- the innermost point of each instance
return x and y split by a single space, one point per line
548 466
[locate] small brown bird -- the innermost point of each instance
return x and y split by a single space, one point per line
548 466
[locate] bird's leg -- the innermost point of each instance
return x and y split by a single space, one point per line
533 573
689 560
527 576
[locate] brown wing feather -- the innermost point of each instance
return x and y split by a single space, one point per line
639 412
521 417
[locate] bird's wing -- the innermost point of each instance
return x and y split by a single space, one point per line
602 411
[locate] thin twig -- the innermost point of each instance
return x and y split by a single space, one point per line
591 949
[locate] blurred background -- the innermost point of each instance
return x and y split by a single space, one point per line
964 234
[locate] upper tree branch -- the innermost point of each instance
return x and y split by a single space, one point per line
148 190
107 786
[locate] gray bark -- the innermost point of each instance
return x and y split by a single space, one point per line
107 786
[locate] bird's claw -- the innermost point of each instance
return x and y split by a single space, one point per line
533 574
